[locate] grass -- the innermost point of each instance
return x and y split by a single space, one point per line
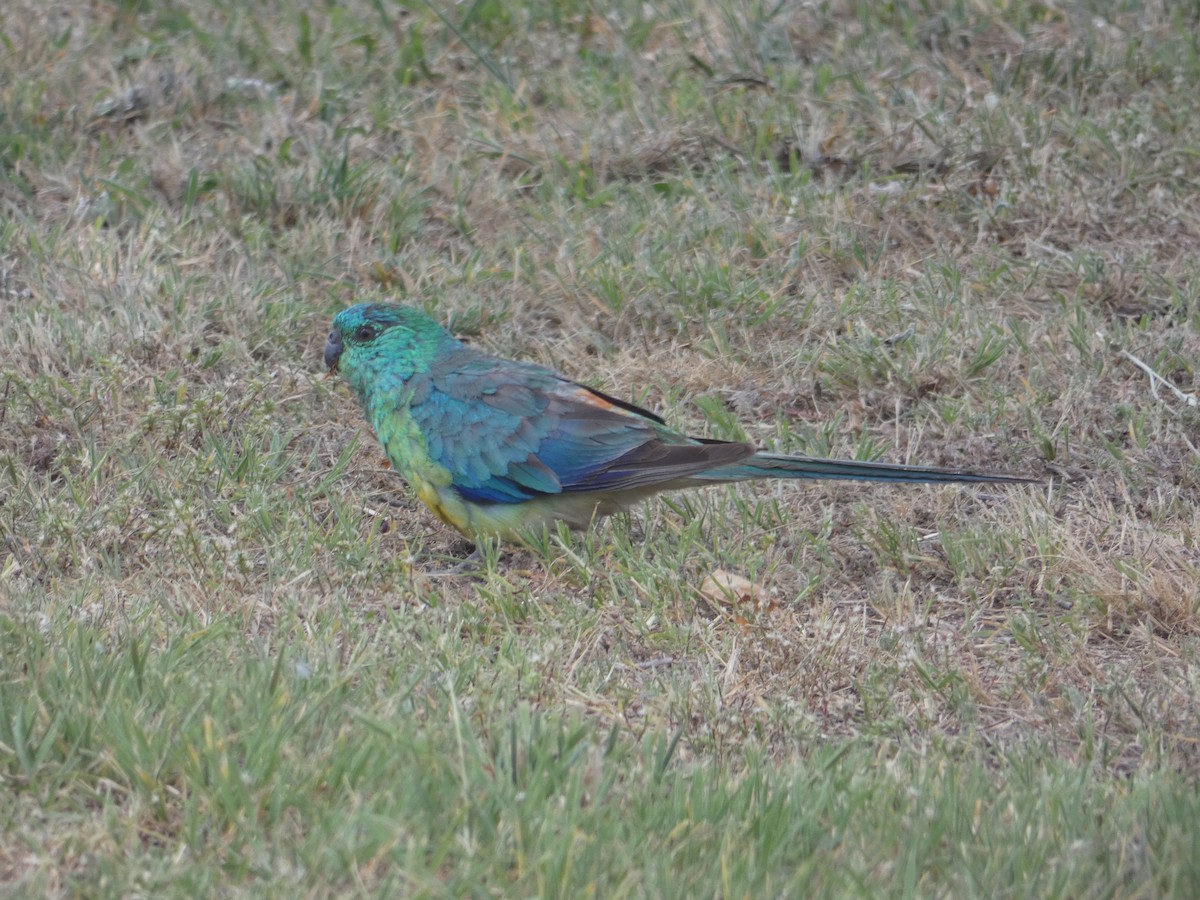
229 663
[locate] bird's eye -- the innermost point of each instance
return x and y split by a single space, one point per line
365 333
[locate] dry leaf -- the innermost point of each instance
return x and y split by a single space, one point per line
731 591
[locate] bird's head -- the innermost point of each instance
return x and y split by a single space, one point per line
375 343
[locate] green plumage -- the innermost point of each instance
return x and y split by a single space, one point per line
494 446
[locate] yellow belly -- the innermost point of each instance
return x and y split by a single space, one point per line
508 520
447 506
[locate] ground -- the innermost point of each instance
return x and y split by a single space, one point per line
234 655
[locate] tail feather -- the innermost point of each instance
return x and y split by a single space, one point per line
777 465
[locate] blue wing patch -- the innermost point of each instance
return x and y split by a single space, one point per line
509 432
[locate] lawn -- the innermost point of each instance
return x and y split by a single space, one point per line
235 654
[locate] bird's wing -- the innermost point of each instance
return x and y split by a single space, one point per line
508 432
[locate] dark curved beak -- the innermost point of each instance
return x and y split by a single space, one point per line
333 350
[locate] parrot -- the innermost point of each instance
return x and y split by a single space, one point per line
496 447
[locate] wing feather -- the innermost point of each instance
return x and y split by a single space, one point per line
509 432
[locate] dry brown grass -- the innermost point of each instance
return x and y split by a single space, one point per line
928 239
1066 214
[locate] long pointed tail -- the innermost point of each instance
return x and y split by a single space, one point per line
777 465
